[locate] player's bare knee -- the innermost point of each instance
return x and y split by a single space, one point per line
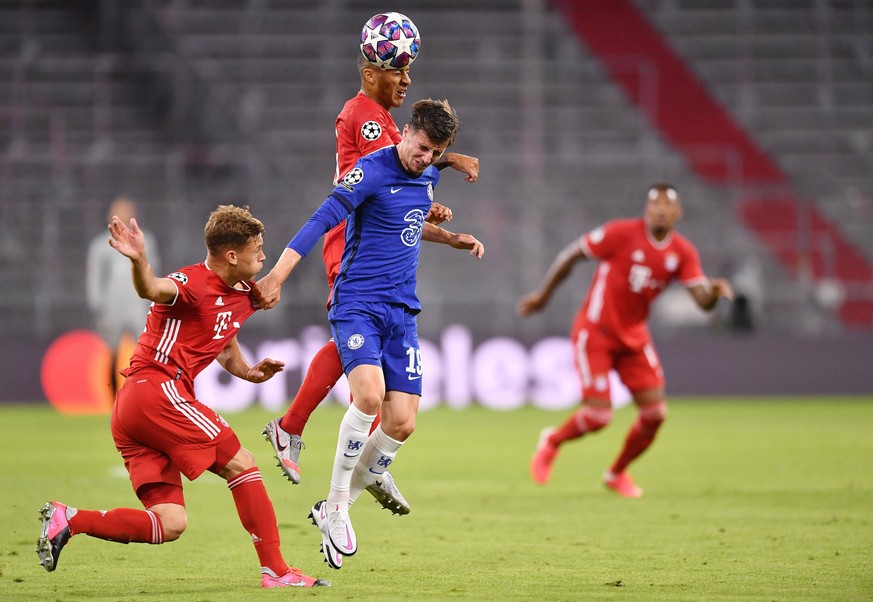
174 529
174 520
593 418
245 459
242 461
403 430
653 413
369 403
398 428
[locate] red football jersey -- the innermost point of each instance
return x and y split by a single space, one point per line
183 337
633 269
363 126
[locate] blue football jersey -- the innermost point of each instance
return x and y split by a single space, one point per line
383 231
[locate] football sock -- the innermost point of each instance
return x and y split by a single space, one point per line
586 419
353 432
322 374
258 518
377 456
641 435
376 422
124 525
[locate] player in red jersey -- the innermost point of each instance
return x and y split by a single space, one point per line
161 430
364 125
638 258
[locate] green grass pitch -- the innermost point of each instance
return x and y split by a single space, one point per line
753 499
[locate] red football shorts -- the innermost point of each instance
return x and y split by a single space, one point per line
597 354
162 432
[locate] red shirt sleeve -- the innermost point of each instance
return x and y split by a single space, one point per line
188 284
690 270
601 242
362 128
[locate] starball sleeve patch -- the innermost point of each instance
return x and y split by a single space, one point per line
353 178
371 130
179 276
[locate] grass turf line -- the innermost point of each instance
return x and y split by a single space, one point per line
758 499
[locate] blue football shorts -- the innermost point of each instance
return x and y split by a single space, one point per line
379 334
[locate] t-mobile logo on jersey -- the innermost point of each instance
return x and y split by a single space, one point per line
639 277
221 322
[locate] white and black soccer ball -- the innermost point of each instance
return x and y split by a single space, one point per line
390 41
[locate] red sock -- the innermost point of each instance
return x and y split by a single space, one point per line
376 422
324 370
258 518
586 419
641 435
124 525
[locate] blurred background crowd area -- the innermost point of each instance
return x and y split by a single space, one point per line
760 112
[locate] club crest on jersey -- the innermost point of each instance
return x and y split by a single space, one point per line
671 262
430 191
638 256
352 178
356 341
179 276
371 130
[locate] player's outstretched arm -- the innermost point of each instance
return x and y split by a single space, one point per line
557 273
268 289
707 295
232 360
331 212
468 241
431 233
130 242
464 163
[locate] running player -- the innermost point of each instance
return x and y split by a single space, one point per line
638 258
160 428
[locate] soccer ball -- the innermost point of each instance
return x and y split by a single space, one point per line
390 41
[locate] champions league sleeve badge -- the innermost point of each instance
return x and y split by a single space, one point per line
352 178
371 130
179 277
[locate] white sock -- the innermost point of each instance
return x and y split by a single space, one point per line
378 453
350 443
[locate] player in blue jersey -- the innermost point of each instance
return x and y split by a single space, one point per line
384 200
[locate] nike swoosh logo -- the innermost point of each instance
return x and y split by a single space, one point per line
350 455
413 377
396 190
374 472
